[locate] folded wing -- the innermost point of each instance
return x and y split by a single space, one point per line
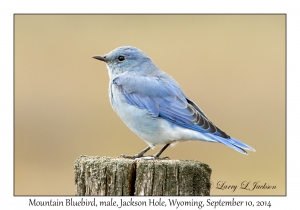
162 97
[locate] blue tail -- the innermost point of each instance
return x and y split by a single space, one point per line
233 143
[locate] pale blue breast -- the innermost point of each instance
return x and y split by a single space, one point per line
153 130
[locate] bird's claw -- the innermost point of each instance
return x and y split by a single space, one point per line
129 156
145 158
136 157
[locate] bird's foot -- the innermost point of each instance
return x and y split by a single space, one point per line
162 158
129 156
140 157
152 158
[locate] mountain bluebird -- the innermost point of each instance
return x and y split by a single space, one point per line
153 106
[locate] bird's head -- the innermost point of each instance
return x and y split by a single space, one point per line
125 59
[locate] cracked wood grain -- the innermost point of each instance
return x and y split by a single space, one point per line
106 176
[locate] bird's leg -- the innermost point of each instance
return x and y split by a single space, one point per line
138 155
156 156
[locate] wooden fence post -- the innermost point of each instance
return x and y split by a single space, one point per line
118 176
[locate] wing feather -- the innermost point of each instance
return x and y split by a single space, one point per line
162 97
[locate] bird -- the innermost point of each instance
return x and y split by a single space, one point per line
154 107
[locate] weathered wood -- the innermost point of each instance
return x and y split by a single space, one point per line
119 176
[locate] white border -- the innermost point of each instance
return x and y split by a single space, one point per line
8 8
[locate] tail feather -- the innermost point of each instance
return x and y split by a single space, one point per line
242 145
237 148
234 144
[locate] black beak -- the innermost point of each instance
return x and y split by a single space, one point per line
101 58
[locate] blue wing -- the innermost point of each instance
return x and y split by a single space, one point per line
162 97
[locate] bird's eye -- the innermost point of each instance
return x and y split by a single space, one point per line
121 58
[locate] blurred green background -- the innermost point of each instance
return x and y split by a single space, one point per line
232 66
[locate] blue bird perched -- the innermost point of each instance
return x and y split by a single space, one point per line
153 106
